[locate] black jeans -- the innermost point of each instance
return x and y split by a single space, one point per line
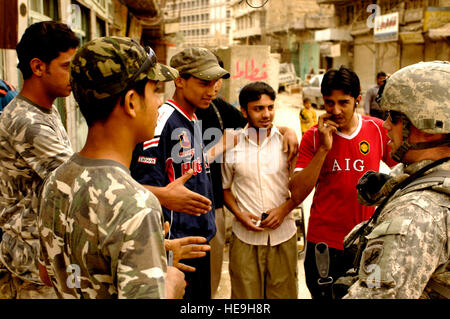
339 264
198 282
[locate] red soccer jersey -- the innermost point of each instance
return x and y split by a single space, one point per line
335 209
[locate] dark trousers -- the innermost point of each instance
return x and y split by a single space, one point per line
198 282
339 264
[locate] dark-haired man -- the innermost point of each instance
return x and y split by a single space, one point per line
217 120
371 106
101 231
332 157
263 257
33 142
177 150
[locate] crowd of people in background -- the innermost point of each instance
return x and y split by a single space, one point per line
139 211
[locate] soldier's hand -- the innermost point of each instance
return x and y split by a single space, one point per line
175 283
180 199
186 248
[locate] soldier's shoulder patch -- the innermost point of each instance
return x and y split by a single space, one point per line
371 256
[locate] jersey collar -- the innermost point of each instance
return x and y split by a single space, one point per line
180 109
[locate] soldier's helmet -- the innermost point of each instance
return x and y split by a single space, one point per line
421 92
107 66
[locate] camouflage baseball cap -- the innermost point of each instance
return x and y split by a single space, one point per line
420 91
107 66
198 62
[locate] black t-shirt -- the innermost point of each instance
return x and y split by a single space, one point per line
232 119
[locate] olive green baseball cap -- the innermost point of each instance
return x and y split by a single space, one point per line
200 63
107 66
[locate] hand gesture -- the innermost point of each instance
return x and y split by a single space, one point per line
185 248
181 199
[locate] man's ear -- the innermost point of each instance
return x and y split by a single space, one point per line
179 82
244 112
37 67
130 103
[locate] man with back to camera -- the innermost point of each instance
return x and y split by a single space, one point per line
33 142
332 157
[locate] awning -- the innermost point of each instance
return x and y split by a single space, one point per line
412 37
332 34
439 33
330 49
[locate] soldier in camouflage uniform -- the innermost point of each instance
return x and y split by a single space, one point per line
407 251
101 231
33 142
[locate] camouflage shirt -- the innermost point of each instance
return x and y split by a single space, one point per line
101 232
409 243
33 142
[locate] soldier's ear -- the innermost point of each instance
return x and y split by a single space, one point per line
130 103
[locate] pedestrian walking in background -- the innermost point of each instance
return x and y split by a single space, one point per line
308 117
371 106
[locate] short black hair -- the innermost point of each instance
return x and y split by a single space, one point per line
306 99
381 73
45 41
344 79
100 110
253 91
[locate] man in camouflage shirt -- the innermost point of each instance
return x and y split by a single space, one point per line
101 231
407 253
33 142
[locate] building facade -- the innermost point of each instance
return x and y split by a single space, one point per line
386 35
205 23
287 26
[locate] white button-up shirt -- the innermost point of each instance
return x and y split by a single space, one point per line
258 176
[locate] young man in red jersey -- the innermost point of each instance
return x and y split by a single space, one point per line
332 157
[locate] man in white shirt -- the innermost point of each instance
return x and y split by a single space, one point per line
263 252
